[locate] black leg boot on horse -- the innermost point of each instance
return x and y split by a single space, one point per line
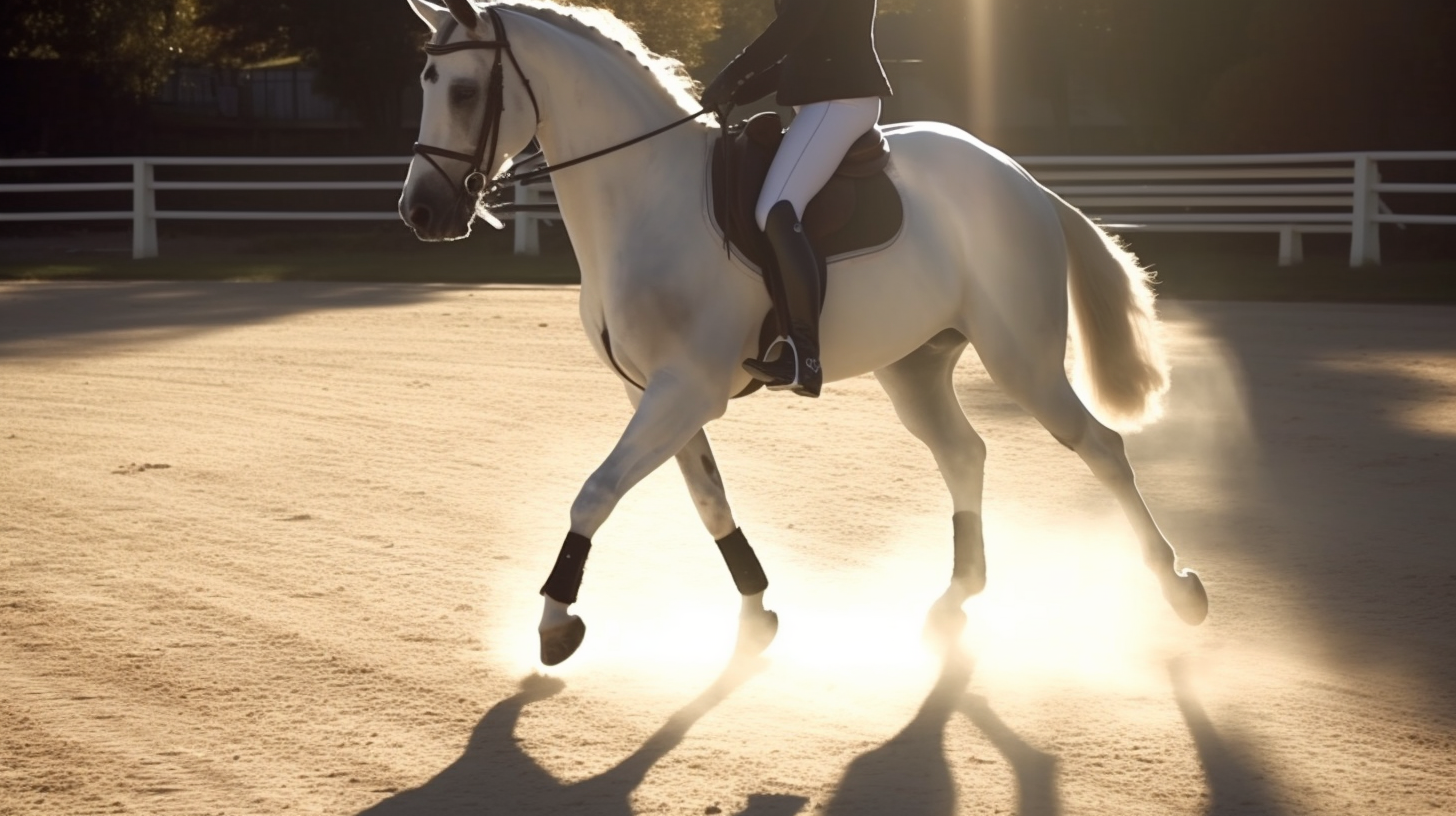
561 633
798 295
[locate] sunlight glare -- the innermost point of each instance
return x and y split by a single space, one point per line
1069 604
1423 390
980 67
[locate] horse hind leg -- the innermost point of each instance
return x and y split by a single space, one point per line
1102 449
757 626
921 389
1038 382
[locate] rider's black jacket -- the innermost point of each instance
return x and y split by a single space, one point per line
815 51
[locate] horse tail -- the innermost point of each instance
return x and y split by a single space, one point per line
1120 354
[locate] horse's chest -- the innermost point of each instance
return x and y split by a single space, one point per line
636 330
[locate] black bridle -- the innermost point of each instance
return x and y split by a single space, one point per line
475 182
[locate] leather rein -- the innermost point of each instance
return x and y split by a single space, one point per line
475 182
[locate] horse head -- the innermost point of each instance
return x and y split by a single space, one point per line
478 113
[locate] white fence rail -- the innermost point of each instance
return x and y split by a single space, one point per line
1291 194
1285 194
144 186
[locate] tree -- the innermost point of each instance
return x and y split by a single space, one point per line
1339 75
130 45
365 51
675 28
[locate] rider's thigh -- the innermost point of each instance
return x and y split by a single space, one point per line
812 149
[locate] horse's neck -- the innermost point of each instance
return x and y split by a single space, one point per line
592 100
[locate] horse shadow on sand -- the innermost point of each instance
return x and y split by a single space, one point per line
496 776
1236 783
910 775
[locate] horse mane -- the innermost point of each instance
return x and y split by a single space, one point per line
605 29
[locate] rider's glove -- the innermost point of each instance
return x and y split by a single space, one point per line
718 96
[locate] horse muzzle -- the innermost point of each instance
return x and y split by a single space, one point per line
434 221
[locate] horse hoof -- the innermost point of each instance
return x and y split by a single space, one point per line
1185 593
755 633
561 642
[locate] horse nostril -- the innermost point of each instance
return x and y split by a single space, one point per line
419 216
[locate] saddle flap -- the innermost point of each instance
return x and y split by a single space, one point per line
829 211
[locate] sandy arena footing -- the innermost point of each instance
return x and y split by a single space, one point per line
275 548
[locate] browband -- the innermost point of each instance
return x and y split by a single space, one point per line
475 183
464 45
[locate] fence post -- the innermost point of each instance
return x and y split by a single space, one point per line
143 211
1364 229
1291 246
527 228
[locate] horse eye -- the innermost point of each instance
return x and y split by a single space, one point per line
462 94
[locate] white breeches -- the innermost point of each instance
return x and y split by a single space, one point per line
812 149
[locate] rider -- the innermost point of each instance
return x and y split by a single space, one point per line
819 55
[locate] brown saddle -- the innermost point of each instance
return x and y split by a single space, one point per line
859 209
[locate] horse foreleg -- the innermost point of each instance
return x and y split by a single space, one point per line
756 625
669 413
921 390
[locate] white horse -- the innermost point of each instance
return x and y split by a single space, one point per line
987 256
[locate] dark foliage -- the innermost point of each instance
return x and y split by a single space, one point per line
1077 76
130 46
366 51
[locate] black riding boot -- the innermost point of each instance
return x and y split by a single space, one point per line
800 296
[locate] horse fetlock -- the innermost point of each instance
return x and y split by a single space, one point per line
1185 593
752 604
756 630
954 597
553 613
1160 558
946 620
970 584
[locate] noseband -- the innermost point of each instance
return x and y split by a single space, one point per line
475 182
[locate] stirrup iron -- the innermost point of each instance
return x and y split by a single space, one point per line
778 375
